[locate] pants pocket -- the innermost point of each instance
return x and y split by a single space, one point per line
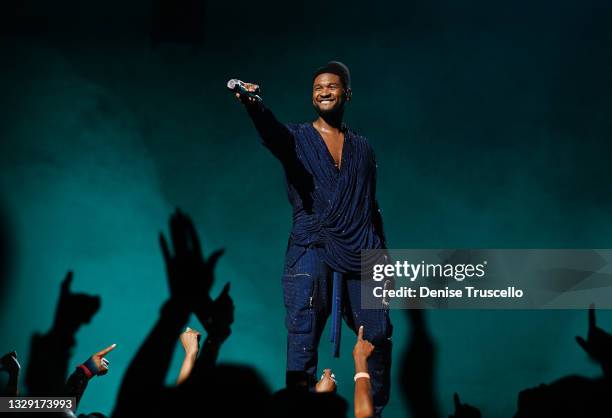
298 290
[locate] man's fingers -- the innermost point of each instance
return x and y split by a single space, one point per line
591 316
106 350
456 400
103 369
67 282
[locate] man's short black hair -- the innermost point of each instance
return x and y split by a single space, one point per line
338 68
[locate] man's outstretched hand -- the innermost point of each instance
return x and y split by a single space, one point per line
598 344
74 309
246 99
190 275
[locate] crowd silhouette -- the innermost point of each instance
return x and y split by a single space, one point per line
206 388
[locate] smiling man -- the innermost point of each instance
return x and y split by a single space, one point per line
331 184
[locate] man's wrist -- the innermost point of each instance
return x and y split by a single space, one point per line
88 373
191 355
361 365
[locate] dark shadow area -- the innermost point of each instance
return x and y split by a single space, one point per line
8 253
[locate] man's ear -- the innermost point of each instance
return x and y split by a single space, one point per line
348 93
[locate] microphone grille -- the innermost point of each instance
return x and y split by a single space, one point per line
233 83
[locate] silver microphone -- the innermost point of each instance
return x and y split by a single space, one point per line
240 87
235 84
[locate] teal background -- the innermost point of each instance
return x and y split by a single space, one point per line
491 122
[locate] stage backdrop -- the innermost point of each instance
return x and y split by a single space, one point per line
491 128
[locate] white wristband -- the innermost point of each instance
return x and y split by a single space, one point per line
360 375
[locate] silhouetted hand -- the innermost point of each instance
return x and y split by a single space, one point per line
327 383
221 316
463 410
190 340
362 351
598 344
74 309
97 363
190 275
9 363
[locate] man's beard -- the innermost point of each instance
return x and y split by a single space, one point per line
326 113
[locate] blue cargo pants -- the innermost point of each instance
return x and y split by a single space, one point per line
307 286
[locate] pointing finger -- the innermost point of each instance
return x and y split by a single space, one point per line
360 333
106 350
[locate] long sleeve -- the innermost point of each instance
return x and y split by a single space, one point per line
274 135
76 385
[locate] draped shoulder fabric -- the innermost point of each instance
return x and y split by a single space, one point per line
333 208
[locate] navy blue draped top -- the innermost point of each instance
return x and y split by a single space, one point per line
334 209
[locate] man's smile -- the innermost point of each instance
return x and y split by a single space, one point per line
327 100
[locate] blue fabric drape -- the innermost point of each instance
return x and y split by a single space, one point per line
333 208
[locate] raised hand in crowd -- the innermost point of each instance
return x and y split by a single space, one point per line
217 321
190 340
9 363
463 410
598 344
190 275
74 309
96 365
50 353
364 406
327 383
220 317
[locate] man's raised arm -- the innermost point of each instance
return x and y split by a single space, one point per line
274 135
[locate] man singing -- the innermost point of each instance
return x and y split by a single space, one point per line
331 184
